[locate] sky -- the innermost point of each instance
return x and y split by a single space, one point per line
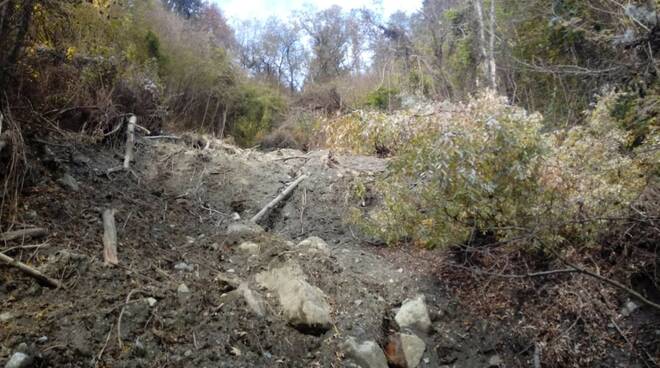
262 9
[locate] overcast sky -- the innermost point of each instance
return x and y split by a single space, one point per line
262 9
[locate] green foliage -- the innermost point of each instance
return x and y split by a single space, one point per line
487 166
383 98
258 109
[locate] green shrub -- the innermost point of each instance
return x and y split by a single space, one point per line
383 98
487 167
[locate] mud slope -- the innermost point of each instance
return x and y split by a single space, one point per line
189 291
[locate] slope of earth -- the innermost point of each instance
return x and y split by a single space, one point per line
200 286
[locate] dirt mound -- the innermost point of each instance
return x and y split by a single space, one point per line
187 293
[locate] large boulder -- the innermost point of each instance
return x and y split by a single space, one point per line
414 315
367 354
304 305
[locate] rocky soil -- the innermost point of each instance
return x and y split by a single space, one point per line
198 285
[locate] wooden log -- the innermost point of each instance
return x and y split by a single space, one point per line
30 271
23 234
109 238
278 199
130 141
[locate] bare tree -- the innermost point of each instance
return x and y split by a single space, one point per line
487 48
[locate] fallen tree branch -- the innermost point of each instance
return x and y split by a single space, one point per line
130 141
291 158
573 269
109 238
35 232
173 137
30 271
278 199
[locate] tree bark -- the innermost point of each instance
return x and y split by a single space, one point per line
487 47
491 58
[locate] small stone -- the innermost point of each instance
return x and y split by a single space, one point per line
183 289
182 266
42 339
315 245
6 316
367 355
187 353
235 216
495 361
80 159
249 248
151 301
400 270
358 302
629 308
413 314
19 360
238 231
427 360
413 349
69 182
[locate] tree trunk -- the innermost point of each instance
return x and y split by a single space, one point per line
491 58
487 48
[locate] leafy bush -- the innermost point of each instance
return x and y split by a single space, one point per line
486 167
383 98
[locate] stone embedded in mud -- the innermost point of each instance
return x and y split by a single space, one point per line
413 349
183 289
367 355
304 306
314 245
69 182
414 315
404 350
249 248
245 230
19 360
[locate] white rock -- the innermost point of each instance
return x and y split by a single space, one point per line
183 289
151 301
19 360
182 266
629 308
414 315
495 361
413 349
6 316
314 245
367 355
304 306
249 248
235 216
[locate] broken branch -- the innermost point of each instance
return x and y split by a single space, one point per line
130 141
30 271
109 238
278 199
23 234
